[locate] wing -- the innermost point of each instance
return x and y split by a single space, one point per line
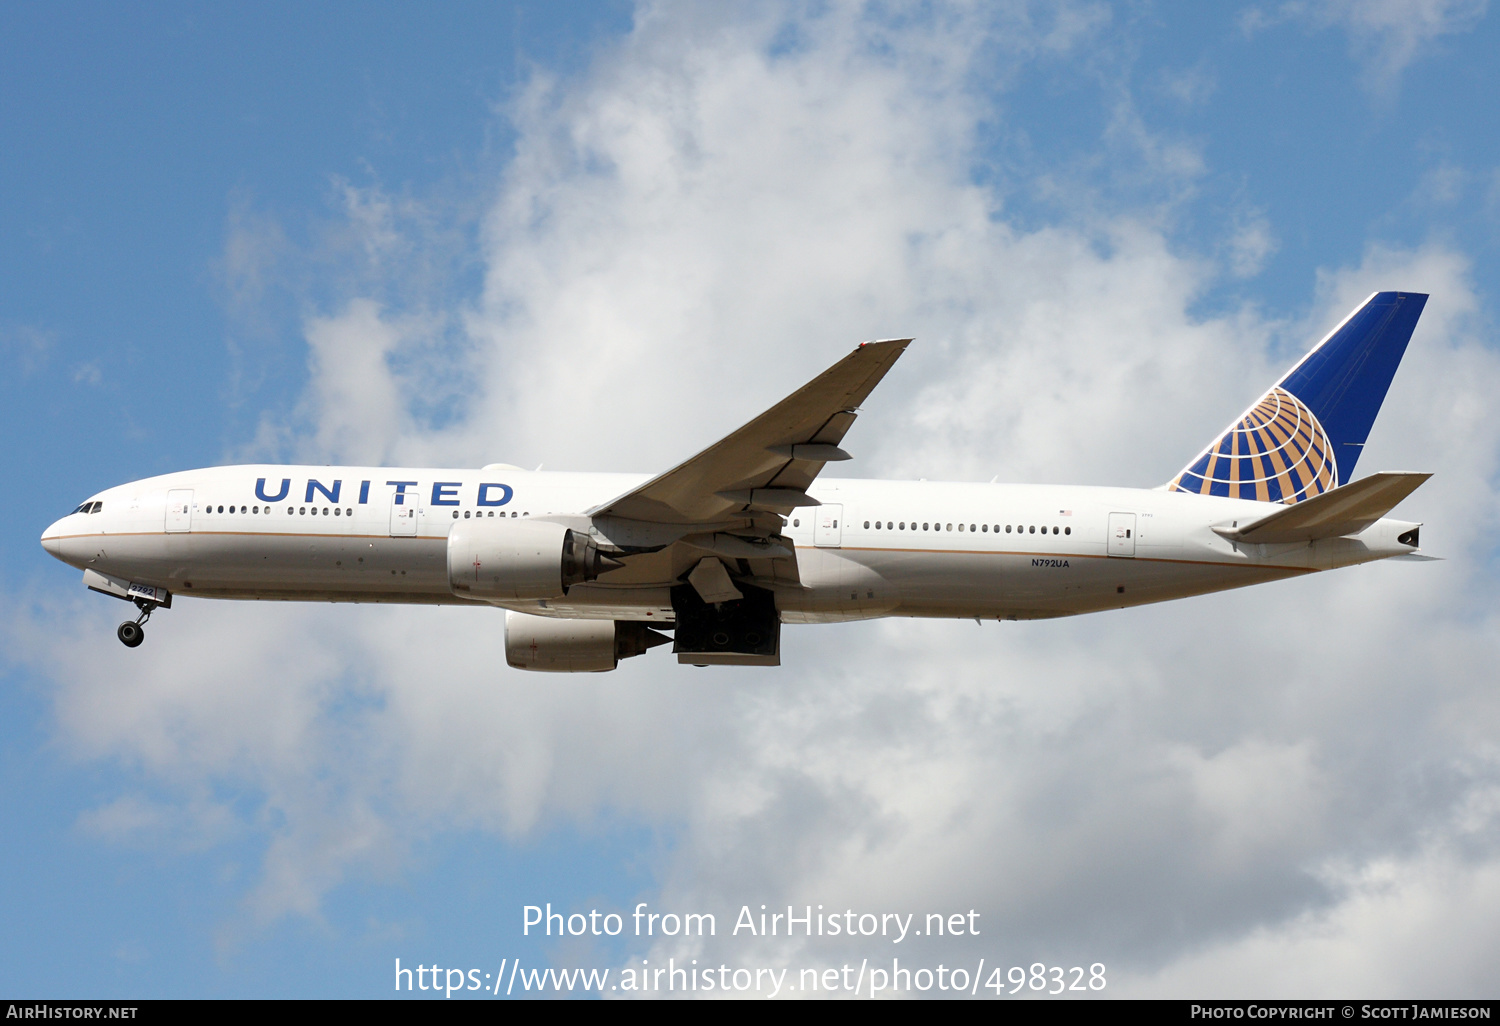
769 463
1347 509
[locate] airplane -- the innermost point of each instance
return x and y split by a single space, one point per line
716 554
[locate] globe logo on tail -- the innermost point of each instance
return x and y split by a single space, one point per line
1278 452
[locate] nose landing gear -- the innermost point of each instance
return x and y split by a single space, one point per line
132 632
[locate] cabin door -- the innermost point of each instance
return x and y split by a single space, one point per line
1122 534
179 511
828 529
405 509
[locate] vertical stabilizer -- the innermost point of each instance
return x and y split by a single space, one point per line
1304 436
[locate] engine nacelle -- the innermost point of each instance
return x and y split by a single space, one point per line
520 559
574 646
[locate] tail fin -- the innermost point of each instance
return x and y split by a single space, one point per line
1304 436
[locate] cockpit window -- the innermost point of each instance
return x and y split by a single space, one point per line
90 507
84 508
98 507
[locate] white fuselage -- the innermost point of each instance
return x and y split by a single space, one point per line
874 548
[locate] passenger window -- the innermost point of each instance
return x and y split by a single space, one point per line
950 527
867 525
302 510
1067 530
1054 530
1033 529
1007 529
466 514
983 527
796 523
254 509
338 511
926 527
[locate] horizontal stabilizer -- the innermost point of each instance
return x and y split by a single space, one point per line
1340 511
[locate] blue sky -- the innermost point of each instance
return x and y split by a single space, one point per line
489 232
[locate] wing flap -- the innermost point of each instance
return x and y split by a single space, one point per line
1340 511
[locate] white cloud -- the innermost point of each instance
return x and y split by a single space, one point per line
1418 925
1385 36
1191 86
1442 185
26 348
358 406
685 235
1250 245
87 374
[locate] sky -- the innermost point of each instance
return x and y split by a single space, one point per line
600 236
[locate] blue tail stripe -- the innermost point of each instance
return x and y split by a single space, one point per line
1344 381
1306 433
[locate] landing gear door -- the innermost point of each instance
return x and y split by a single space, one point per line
405 509
1122 534
828 526
179 511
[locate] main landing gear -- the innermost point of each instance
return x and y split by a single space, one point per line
132 632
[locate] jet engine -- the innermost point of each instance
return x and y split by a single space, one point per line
520 559
574 646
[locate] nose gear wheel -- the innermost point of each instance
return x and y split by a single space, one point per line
132 632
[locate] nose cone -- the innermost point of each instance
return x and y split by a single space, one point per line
51 539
